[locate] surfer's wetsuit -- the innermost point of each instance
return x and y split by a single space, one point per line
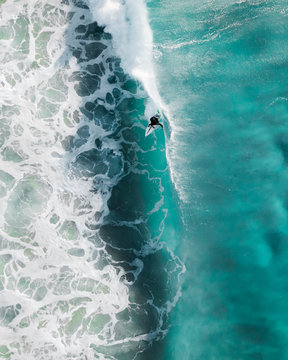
155 121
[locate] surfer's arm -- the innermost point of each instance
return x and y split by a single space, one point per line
161 126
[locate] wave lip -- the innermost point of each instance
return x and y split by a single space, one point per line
128 23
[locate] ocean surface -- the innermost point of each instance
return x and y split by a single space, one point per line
117 246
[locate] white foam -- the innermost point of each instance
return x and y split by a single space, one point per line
40 253
128 23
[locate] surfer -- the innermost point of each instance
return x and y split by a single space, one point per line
154 121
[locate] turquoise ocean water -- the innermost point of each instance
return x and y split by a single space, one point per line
222 71
114 246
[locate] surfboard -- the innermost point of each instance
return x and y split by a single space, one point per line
150 130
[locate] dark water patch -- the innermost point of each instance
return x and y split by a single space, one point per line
91 31
87 84
125 195
98 143
81 29
122 236
116 93
96 69
120 254
127 201
90 52
154 352
112 79
93 50
109 98
90 106
83 132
